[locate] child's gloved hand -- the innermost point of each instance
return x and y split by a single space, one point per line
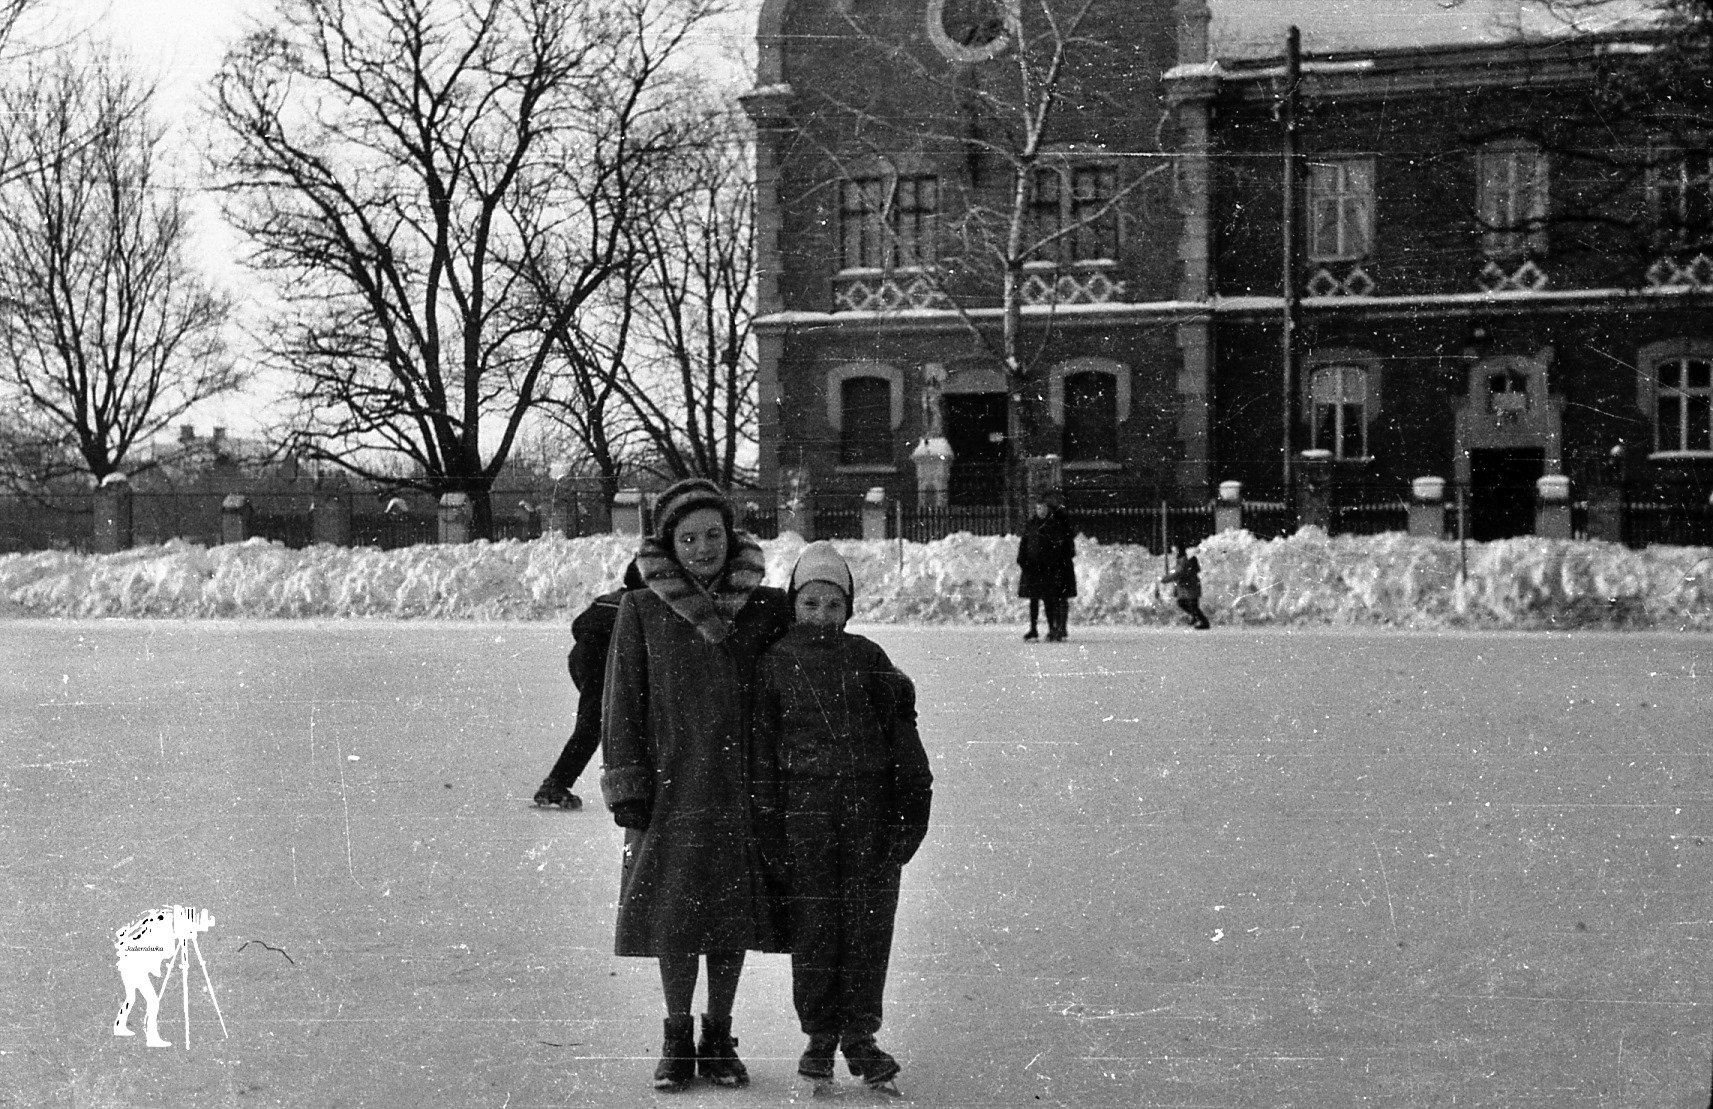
632 814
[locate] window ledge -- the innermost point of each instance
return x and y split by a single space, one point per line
1095 464
865 468
1681 456
870 271
1041 266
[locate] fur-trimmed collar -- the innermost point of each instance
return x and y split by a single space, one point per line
711 611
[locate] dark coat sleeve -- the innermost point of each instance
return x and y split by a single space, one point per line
627 767
894 695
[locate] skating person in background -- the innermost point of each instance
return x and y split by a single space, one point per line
1047 554
1185 580
675 735
843 790
591 634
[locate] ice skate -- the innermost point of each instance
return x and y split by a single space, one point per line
816 1064
877 1069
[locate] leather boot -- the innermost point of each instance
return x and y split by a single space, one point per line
677 1067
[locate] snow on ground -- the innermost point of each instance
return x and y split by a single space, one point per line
1307 579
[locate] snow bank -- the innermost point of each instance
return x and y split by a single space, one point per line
1309 578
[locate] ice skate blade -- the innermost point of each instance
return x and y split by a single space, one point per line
887 1088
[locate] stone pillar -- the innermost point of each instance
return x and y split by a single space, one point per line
933 459
796 503
627 512
330 515
1041 473
113 514
1427 507
455 518
235 513
1314 490
562 515
1228 509
1552 506
874 514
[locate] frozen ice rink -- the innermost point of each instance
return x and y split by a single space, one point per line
1246 868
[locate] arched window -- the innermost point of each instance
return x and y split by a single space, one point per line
1091 417
865 437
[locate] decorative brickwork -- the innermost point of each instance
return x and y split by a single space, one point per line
1525 278
887 293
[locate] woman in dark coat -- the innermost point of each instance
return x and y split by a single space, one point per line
1047 554
676 773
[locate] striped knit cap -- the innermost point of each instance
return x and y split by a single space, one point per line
684 497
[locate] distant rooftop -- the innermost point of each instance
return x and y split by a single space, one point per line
1244 29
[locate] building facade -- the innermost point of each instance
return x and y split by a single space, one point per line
1480 280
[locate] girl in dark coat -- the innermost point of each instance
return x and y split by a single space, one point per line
1185 580
1047 554
845 792
676 775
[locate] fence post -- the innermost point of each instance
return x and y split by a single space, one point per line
235 513
113 514
455 518
1606 512
1228 510
1552 506
1314 490
330 515
627 512
1427 507
874 513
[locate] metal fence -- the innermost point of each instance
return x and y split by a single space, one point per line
1680 524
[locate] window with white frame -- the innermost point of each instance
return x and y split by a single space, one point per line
865 429
1511 182
1075 203
888 222
1341 209
1680 194
1091 417
1338 410
1683 414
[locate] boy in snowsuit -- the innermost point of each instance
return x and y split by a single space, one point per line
591 634
843 793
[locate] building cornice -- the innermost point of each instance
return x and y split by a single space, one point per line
1100 315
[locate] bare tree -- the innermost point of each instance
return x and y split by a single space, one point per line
1026 78
676 332
439 187
110 333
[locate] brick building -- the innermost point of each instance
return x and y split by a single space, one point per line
1480 289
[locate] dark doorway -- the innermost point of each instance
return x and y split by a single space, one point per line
975 428
1502 491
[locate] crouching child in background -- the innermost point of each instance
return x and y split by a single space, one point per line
843 793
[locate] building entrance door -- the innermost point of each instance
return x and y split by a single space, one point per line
1502 491
975 429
